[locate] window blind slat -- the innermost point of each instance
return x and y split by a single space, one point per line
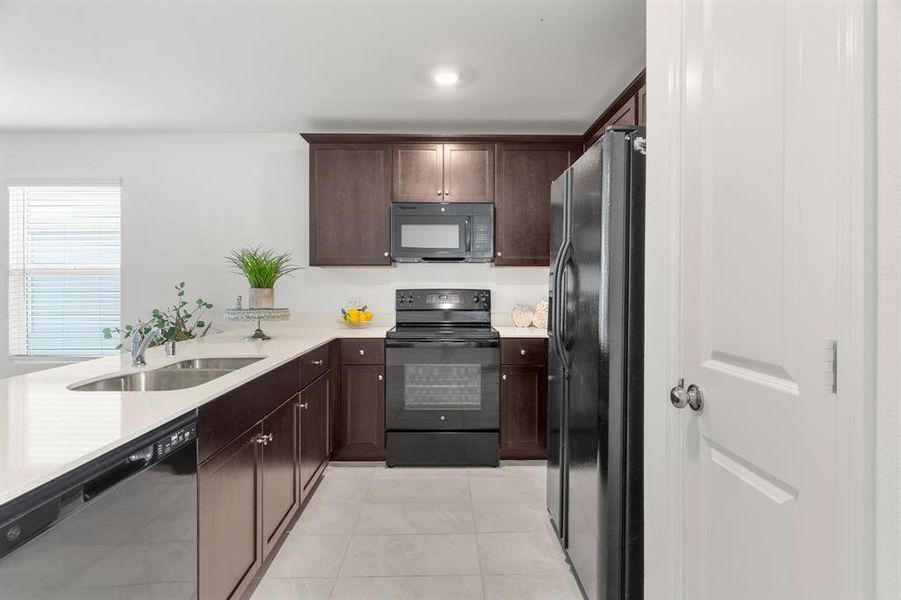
64 269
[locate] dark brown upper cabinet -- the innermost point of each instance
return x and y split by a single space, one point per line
418 172
642 101
469 172
427 172
522 205
350 196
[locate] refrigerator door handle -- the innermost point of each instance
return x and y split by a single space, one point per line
560 306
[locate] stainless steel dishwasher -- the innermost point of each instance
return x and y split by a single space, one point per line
123 526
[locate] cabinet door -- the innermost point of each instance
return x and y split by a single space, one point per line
469 172
523 411
279 472
350 194
314 426
418 172
228 514
627 115
362 413
523 203
641 101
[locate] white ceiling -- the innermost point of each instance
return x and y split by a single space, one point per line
536 66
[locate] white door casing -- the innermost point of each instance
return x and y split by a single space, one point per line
758 174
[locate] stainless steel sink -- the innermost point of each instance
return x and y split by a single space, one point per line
178 376
229 364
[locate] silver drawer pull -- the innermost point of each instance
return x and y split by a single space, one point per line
522 351
362 352
318 363
504 377
380 377
305 405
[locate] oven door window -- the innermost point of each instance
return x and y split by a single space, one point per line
442 387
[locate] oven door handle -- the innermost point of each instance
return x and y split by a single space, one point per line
441 343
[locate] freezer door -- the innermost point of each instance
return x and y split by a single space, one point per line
556 486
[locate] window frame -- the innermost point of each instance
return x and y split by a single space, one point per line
57 359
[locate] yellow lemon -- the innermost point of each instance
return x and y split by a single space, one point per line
367 316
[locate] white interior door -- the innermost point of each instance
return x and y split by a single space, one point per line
765 505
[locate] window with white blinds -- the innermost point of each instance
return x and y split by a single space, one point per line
64 269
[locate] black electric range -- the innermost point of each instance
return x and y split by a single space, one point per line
442 380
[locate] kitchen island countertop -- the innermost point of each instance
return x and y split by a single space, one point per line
49 430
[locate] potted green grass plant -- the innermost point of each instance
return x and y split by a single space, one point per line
262 268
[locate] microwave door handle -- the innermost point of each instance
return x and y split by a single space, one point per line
468 235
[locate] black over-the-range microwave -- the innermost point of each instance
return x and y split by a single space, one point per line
434 232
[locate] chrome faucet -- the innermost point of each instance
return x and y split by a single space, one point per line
139 343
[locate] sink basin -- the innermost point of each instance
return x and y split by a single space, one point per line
229 364
178 376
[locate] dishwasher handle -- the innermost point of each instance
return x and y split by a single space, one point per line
131 465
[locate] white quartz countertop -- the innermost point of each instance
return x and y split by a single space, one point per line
521 332
46 429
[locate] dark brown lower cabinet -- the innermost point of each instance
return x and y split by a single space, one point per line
229 517
247 494
523 397
279 472
523 411
314 434
362 413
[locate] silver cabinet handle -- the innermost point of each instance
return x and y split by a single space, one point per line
362 352
692 397
305 405
318 363
504 377
522 351
499 253
446 193
380 377
269 437
438 192
263 439
386 254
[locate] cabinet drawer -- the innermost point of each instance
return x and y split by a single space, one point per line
362 351
523 351
313 364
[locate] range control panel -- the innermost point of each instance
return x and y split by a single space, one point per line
175 440
433 299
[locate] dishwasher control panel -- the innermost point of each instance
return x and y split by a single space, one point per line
175 440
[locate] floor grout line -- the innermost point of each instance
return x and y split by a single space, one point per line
353 532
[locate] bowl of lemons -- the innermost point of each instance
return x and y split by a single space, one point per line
356 317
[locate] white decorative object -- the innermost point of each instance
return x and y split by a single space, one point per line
539 318
262 297
522 315
257 314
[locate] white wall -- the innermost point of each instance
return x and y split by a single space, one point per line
189 198
888 403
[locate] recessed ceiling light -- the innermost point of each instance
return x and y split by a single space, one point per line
446 77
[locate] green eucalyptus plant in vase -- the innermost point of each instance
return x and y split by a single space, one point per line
181 321
262 268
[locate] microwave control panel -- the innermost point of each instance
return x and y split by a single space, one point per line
482 235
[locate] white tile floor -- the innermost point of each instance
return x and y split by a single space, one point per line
373 533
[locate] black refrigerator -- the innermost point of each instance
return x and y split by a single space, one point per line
595 326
